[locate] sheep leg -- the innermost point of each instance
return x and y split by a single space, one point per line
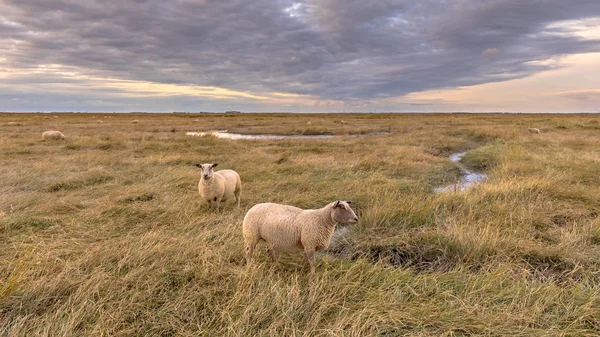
218 204
309 254
238 197
209 205
273 255
249 250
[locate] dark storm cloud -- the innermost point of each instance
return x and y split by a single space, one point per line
333 49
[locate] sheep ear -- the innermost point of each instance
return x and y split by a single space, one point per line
336 204
198 165
214 165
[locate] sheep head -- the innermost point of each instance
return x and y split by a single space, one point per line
343 213
207 170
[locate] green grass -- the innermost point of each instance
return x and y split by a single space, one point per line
105 234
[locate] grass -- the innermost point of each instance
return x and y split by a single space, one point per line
104 234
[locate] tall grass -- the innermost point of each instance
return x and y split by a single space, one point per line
105 234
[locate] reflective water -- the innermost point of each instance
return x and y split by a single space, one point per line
469 178
235 136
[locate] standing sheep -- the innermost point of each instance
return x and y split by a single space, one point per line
533 130
54 135
217 186
287 228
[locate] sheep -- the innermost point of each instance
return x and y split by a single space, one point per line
308 123
46 117
13 123
287 228
533 130
135 121
54 117
217 186
99 121
53 135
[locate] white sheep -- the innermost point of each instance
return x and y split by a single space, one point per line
53 135
99 121
308 123
287 228
534 130
135 121
217 186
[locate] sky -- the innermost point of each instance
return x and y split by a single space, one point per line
300 56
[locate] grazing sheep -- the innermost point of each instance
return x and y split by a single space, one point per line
217 186
54 135
534 130
14 123
99 121
287 228
135 121
308 123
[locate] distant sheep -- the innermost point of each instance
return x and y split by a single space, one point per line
53 135
99 121
135 121
46 117
533 130
55 117
217 186
13 123
308 123
287 228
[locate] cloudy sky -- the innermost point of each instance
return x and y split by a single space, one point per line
300 56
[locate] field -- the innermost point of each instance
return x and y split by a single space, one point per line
104 234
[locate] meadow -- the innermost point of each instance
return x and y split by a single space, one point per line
104 234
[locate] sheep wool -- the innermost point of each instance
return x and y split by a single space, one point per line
287 228
53 135
217 186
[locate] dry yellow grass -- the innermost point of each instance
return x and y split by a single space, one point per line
104 234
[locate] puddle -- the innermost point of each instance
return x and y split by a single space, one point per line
235 136
468 178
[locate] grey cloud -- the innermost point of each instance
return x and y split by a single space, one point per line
332 49
580 95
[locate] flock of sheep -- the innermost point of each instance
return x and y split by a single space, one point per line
283 228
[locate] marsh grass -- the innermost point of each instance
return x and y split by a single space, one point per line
104 234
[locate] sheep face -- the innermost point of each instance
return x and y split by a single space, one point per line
207 170
342 212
